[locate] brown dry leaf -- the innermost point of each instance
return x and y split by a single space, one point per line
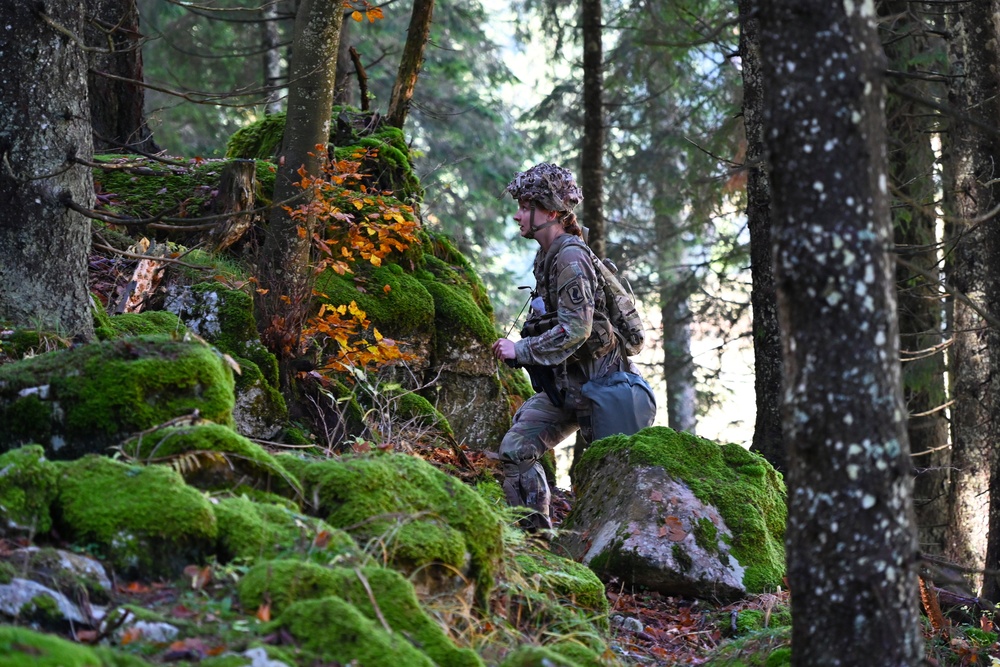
199 576
673 529
130 635
656 496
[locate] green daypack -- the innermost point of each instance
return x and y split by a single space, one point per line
620 302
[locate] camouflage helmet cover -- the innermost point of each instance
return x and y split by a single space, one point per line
549 185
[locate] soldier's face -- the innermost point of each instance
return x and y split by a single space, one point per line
523 216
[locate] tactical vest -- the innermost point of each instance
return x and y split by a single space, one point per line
602 339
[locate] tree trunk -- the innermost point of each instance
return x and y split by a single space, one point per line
767 438
678 365
409 65
850 539
911 179
271 58
285 258
970 155
592 150
116 104
44 122
345 83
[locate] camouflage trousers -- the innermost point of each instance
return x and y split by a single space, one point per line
538 426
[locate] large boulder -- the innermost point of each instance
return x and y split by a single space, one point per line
678 514
91 397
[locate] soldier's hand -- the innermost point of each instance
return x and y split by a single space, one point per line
503 349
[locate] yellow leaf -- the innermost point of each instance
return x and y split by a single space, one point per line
358 205
357 16
378 336
376 260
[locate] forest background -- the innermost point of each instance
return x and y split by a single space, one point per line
845 154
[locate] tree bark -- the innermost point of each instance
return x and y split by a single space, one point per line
850 539
285 257
970 162
592 150
44 123
409 65
921 326
767 437
116 104
346 69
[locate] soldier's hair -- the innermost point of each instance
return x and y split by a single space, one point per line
570 223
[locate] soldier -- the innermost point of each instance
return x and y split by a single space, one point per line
566 340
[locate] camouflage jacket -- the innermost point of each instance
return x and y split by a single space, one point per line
572 290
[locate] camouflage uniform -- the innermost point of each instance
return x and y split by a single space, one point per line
580 345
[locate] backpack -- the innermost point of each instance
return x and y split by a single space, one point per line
620 302
618 298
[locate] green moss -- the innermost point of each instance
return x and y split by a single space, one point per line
113 387
7 572
443 249
536 656
405 309
566 579
980 638
22 647
748 492
146 323
259 140
411 406
143 518
242 459
184 190
41 609
332 630
706 535
455 314
364 492
28 485
253 531
288 583
491 491
755 649
781 657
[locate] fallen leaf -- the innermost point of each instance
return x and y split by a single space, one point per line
264 613
673 529
656 496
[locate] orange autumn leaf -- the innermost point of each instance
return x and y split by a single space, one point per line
130 635
264 613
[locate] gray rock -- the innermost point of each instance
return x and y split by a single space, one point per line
75 565
638 524
20 592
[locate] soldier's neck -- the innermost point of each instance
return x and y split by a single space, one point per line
546 237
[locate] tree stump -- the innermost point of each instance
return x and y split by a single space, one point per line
237 194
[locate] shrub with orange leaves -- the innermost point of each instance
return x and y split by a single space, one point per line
354 223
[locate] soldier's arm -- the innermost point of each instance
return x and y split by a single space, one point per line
575 312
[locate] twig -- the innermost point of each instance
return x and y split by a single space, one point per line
371 597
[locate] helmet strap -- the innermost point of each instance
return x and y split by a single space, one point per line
532 227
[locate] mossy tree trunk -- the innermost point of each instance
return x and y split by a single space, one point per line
285 269
911 178
850 540
409 65
767 437
115 77
44 123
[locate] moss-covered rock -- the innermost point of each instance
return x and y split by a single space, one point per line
333 630
288 583
214 457
748 494
225 318
374 496
148 323
22 647
27 489
254 531
537 656
87 398
567 580
141 518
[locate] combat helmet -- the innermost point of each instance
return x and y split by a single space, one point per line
548 185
